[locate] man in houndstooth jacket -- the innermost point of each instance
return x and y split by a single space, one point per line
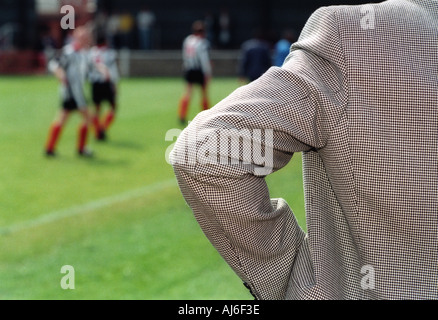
358 97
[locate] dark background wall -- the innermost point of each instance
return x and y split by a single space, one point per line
19 15
174 17
173 24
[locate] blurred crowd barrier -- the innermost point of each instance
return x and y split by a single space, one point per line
169 63
16 62
132 63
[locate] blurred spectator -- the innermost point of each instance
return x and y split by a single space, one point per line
210 28
255 57
126 29
224 28
100 23
282 47
145 22
113 29
46 47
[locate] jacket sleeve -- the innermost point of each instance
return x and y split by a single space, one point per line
222 157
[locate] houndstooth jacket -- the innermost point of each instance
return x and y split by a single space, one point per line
358 97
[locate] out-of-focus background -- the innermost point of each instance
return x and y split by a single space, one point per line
30 29
116 226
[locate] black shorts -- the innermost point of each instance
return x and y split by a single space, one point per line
70 104
70 101
195 77
103 91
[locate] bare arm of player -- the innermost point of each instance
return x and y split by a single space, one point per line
60 75
58 71
103 70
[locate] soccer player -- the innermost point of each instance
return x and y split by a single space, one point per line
197 68
104 78
71 68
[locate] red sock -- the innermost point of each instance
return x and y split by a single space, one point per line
82 139
205 104
55 131
96 125
109 120
183 107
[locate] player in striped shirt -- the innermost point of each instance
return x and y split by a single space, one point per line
103 84
196 66
71 69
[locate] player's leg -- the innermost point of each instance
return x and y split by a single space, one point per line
184 103
205 97
83 132
109 118
55 131
97 100
111 113
96 120
82 107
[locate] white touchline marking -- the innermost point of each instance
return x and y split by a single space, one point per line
87 207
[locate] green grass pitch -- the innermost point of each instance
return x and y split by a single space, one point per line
119 219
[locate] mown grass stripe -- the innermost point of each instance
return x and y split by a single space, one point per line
88 207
